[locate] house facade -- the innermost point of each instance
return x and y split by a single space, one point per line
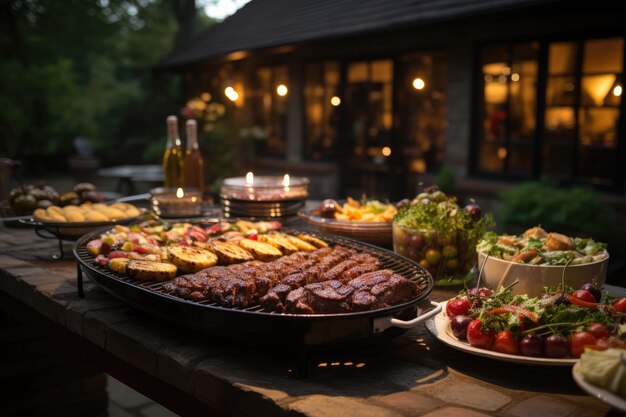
377 96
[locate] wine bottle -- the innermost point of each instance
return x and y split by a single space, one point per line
194 163
173 158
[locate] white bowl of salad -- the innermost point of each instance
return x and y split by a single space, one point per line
538 259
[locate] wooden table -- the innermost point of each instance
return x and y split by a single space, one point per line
193 373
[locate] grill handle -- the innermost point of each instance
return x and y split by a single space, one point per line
383 323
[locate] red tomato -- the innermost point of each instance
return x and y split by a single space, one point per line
505 343
620 305
477 337
457 307
585 296
598 330
578 342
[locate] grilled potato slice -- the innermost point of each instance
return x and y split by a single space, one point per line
119 265
313 241
300 244
192 259
279 241
261 251
230 253
150 271
245 225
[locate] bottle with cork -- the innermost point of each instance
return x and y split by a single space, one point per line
193 163
173 158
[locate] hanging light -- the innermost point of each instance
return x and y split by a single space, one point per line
231 93
282 90
418 84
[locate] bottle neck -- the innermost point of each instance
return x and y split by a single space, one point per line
173 139
192 135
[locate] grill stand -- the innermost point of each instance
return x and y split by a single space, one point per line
39 231
79 280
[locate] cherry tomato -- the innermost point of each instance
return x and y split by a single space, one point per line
585 296
457 307
505 343
598 330
578 342
620 305
477 337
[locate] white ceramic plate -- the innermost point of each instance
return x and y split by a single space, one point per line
439 326
597 392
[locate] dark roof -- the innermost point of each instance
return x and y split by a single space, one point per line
270 23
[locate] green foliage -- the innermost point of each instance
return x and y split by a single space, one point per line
445 179
83 68
576 210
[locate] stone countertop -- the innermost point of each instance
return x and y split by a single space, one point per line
188 372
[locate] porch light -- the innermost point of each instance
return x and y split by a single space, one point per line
617 91
418 84
282 90
335 101
231 94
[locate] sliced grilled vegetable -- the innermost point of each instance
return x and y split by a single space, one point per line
261 251
192 259
300 244
318 243
231 253
280 242
118 265
150 271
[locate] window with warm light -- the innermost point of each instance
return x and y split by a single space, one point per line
321 103
269 110
422 107
551 108
582 110
509 98
369 123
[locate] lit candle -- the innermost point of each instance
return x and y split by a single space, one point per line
176 202
250 183
286 182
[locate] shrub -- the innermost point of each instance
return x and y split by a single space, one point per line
575 210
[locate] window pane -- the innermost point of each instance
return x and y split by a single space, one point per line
560 123
269 111
598 126
603 55
422 110
561 91
597 90
357 72
369 105
562 58
321 109
510 105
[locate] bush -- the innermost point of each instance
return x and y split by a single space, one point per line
575 210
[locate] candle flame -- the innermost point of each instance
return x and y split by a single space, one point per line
250 178
180 193
286 180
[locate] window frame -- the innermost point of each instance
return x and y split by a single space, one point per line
478 107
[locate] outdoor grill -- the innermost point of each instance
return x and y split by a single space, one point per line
254 324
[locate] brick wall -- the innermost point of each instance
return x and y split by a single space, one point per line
40 378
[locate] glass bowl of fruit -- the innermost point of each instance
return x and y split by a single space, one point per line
434 231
